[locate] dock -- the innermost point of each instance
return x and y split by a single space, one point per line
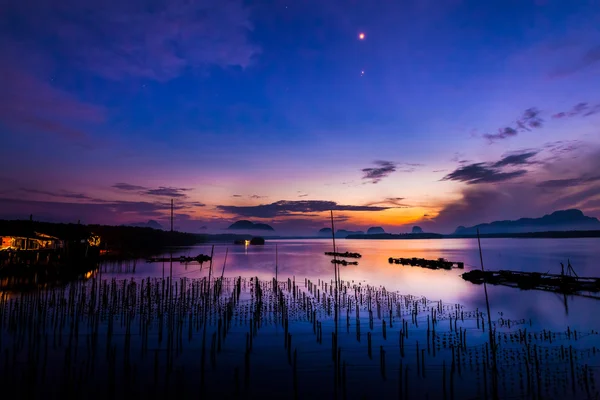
440 263
560 283
343 255
200 258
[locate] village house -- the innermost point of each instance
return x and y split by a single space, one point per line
94 240
34 241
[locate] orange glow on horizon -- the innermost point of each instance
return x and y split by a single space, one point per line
392 217
397 219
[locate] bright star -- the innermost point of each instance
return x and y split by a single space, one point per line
361 36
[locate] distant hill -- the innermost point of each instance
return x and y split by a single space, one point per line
417 229
565 220
150 224
324 232
375 230
340 233
250 226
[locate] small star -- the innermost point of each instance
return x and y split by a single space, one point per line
362 73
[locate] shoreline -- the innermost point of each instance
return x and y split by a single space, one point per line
408 236
525 235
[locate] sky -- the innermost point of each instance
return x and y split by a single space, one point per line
445 113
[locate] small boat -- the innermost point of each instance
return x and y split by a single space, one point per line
344 262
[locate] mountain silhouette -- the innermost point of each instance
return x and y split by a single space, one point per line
250 226
150 224
417 229
340 233
325 232
375 230
564 220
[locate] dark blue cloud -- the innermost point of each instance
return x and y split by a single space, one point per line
530 119
287 208
159 191
383 169
492 172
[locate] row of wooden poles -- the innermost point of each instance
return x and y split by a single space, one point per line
74 319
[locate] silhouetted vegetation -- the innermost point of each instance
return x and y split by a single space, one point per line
127 238
120 239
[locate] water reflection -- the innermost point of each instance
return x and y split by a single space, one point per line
44 279
122 334
305 258
228 338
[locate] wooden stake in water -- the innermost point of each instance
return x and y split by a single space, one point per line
207 299
336 304
212 251
491 332
224 262
335 267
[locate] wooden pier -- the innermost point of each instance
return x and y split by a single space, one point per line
200 258
440 263
559 283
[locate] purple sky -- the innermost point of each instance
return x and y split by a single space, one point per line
448 112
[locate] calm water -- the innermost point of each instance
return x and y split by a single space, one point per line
126 332
305 259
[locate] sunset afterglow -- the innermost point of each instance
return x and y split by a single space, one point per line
418 125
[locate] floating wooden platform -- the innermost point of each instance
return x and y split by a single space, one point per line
346 254
440 263
534 280
200 258
344 262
